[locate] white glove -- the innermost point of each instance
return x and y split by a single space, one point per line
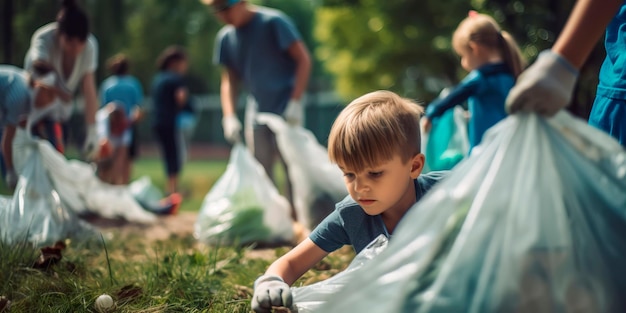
232 128
294 112
270 291
545 87
91 147
10 178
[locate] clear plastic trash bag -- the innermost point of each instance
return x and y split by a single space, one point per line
35 212
317 184
244 206
309 298
533 221
144 191
447 143
76 183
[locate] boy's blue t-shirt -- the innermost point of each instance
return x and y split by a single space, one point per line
125 89
15 95
485 89
257 53
350 225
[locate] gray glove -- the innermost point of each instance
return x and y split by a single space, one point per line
270 291
11 179
545 87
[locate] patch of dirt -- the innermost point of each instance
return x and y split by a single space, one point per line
166 226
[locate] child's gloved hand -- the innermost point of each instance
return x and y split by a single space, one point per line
232 128
91 147
545 87
270 291
294 112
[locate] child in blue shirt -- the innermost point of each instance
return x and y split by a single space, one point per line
494 61
375 141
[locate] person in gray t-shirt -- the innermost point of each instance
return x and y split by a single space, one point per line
261 48
375 141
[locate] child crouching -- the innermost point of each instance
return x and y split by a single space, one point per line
375 141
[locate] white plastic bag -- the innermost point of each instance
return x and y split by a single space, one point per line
78 187
317 184
244 206
310 298
144 191
35 212
533 221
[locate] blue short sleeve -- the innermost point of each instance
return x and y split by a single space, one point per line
286 32
330 234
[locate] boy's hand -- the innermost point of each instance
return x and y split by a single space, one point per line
545 87
270 291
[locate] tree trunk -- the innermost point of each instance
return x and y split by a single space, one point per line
7 31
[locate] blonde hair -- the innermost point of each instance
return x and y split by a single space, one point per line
484 30
373 129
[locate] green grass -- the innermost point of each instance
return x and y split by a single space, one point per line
174 275
197 178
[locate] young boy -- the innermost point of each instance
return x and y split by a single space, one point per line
375 141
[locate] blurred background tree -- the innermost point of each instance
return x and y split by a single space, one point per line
358 45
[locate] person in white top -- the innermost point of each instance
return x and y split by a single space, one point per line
69 47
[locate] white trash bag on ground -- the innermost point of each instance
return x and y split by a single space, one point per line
317 184
244 206
310 298
76 183
533 221
35 212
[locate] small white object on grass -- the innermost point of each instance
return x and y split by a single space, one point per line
104 303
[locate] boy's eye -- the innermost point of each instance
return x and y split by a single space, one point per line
375 174
348 175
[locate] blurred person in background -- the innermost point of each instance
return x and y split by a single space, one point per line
124 90
260 48
169 95
71 50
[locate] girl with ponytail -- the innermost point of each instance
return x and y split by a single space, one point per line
494 61
71 50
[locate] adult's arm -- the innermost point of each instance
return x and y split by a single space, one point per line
585 26
228 91
299 52
91 98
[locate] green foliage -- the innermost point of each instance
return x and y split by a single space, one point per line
405 45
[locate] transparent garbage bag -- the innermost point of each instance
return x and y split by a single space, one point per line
533 221
317 184
244 206
76 183
144 191
35 212
447 143
309 298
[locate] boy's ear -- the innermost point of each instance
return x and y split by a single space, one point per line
417 165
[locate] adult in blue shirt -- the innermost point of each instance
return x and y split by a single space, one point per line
261 48
169 94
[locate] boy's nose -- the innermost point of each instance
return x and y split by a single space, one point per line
360 185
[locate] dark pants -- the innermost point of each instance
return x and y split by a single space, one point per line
166 136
